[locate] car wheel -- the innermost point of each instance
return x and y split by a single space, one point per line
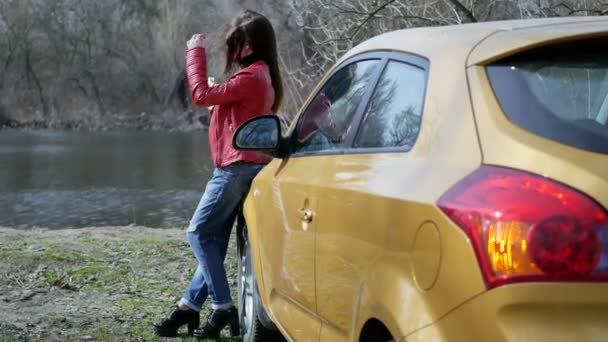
252 329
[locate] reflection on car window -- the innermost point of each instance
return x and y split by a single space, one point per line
559 92
393 118
570 92
327 120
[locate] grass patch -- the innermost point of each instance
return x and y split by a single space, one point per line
51 277
45 256
59 256
102 332
144 314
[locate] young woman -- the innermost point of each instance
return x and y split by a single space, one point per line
255 89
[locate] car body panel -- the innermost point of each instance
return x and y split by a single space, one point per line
393 294
539 312
285 245
507 42
366 242
453 44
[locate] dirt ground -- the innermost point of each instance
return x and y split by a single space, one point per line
97 284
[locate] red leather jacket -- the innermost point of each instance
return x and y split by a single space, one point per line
248 93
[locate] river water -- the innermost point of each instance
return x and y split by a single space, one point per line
59 179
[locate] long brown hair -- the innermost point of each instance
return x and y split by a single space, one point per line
256 30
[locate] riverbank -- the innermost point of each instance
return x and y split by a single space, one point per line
97 284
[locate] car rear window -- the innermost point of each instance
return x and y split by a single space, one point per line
559 92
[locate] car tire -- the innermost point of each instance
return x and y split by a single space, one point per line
251 315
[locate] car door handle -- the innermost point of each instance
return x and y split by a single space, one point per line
306 215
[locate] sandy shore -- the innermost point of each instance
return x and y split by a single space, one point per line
97 284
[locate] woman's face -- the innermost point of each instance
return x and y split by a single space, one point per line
245 51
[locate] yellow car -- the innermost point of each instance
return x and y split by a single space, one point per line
440 184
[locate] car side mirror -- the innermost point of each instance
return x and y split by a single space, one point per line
262 133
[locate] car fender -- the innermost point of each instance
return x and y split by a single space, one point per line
253 224
384 286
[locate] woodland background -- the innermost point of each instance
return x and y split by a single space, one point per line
93 64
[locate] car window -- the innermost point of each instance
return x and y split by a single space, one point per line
328 119
558 92
393 118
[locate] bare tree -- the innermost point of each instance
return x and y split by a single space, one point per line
332 27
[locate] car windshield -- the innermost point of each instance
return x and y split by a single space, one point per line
558 92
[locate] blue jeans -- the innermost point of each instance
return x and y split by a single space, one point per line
209 233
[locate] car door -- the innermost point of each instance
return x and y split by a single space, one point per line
353 199
293 189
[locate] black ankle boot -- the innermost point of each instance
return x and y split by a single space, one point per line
168 327
217 321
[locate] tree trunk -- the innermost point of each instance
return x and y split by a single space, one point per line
30 71
96 92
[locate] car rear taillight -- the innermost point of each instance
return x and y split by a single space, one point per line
525 227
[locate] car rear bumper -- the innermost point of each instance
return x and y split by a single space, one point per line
526 312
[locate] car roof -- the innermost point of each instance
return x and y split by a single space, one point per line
479 43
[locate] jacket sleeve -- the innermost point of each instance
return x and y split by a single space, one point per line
235 89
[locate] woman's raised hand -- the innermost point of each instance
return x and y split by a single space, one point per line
197 40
